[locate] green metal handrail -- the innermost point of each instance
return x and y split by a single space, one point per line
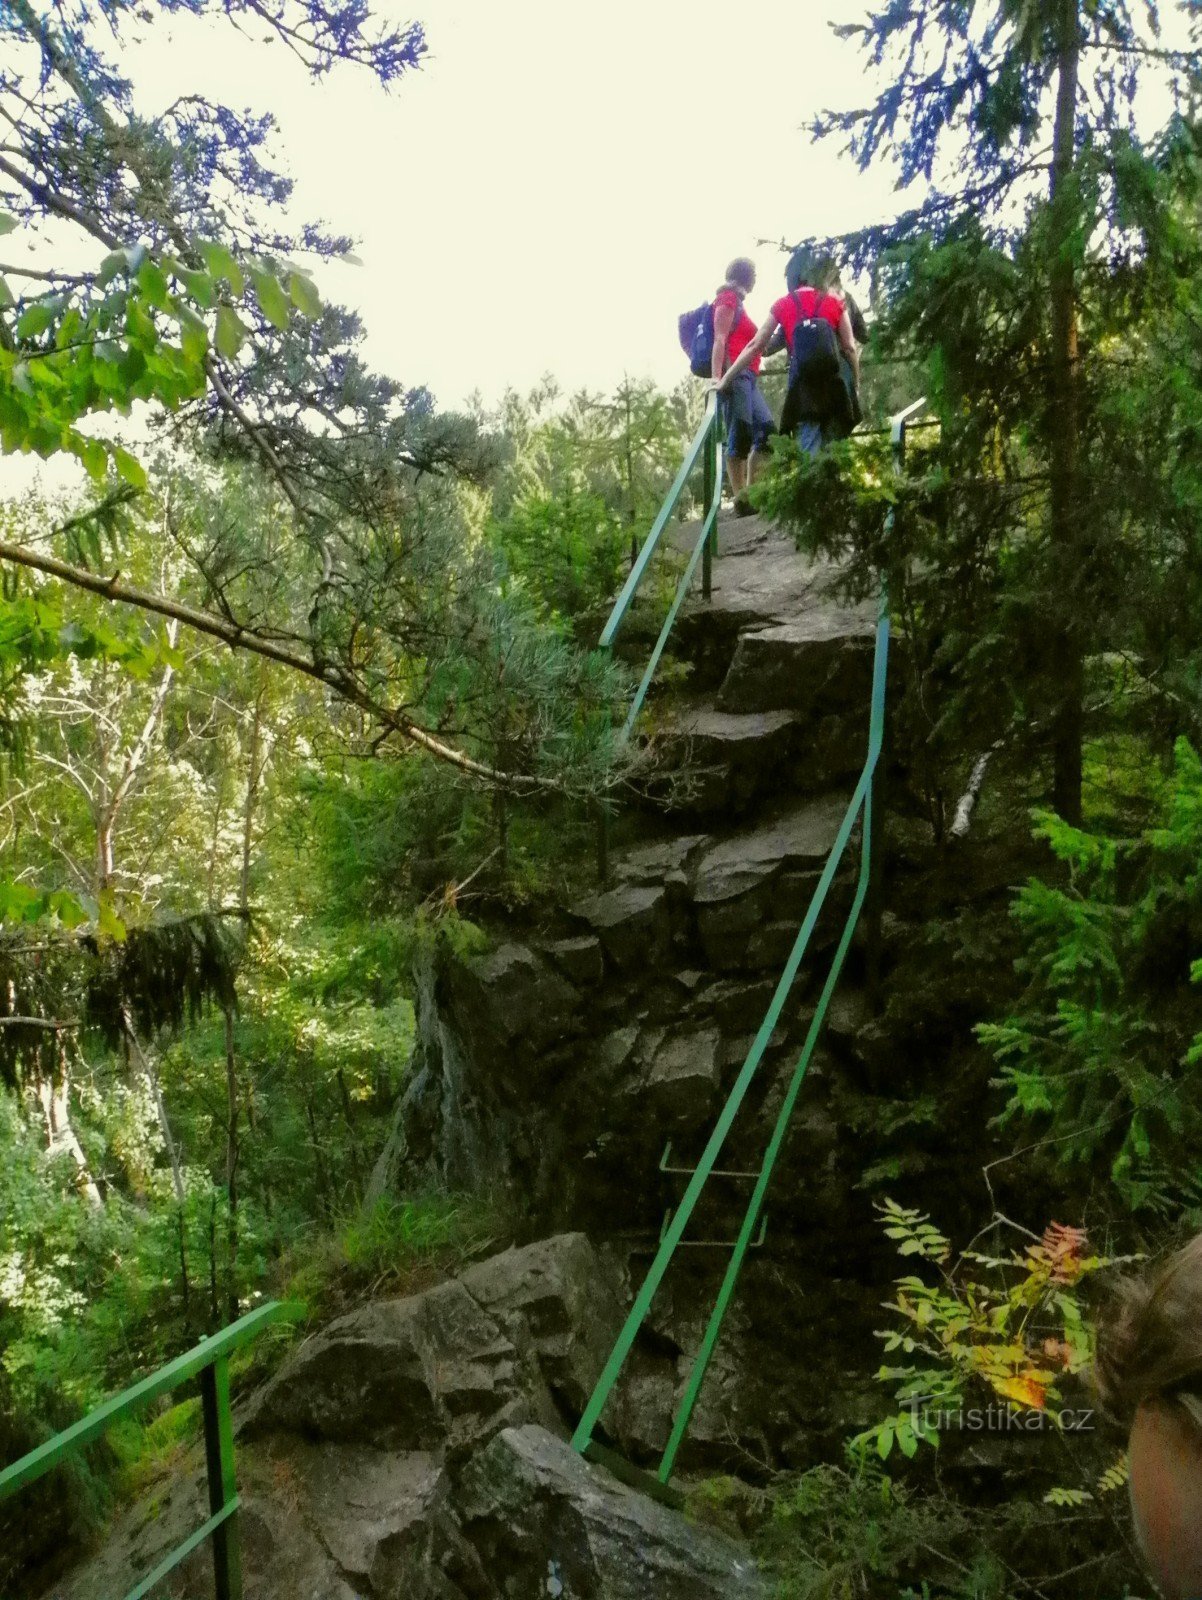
706 445
210 1360
860 803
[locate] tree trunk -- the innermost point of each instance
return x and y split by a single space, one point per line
254 773
231 1163
1066 665
160 1106
54 1098
104 851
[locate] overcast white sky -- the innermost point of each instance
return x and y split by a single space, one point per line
559 180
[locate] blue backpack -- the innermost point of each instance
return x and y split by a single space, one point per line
695 330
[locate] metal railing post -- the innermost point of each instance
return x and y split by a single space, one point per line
223 1490
874 815
712 488
209 1362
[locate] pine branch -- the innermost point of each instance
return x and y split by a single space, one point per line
239 638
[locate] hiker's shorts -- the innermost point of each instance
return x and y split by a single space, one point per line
748 419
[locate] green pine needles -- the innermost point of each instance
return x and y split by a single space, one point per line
1101 1052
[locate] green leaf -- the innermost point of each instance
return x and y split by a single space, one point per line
112 264
66 908
6 295
231 332
153 284
7 223
129 467
95 458
222 264
107 920
193 335
272 299
304 296
35 319
200 286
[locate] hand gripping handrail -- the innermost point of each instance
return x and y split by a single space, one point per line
706 444
860 804
210 1360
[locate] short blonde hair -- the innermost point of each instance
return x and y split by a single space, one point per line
1150 1345
741 271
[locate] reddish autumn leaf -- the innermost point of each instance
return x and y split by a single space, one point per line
1026 1391
1061 1251
1058 1350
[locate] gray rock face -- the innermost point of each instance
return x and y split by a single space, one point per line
510 998
366 1468
430 1371
567 1303
721 760
446 1368
814 664
652 864
685 1077
545 1522
745 889
580 959
632 922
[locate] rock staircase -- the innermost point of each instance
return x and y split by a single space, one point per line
555 1070
418 1445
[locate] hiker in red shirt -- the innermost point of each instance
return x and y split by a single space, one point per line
748 419
817 327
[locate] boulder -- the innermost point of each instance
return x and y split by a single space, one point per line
568 1303
685 1078
817 662
546 1522
801 837
751 890
614 1052
580 959
632 922
651 864
430 1371
510 998
330 1522
737 1004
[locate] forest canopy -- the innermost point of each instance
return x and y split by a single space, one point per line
300 698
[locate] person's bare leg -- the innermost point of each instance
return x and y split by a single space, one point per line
757 464
736 472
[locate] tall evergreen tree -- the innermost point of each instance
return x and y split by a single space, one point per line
1024 117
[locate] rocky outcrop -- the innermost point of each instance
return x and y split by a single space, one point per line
520 1337
673 968
545 1522
396 1456
431 1371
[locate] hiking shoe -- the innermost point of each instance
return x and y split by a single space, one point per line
743 506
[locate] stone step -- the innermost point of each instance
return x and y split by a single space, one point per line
817 664
711 761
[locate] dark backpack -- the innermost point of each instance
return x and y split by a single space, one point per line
813 349
696 333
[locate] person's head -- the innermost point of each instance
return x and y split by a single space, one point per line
1149 1376
740 274
807 268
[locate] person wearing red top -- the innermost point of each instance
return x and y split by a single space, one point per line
748 419
816 414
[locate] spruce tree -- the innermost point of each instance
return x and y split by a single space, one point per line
1021 116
